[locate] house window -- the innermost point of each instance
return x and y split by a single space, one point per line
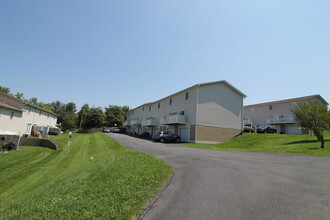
182 113
29 110
12 115
142 108
252 110
149 108
39 113
270 107
293 104
187 95
158 105
170 101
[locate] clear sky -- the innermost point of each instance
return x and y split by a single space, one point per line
131 52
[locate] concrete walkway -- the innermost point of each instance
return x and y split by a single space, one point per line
210 184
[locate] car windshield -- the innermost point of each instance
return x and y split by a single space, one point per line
262 126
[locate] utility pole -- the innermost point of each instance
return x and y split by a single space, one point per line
81 119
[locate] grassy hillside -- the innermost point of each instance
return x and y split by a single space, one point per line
38 183
273 143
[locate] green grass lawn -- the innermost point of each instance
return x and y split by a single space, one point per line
39 183
273 143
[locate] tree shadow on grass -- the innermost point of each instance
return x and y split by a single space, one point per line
305 142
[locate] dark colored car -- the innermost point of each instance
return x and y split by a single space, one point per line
106 130
165 136
267 129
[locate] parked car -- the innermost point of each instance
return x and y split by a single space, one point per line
267 129
116 130
106 130
165 136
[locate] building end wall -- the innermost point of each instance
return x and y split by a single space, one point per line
208 134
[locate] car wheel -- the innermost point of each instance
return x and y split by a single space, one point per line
162 140
177 140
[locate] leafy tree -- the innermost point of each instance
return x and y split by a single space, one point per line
20 96
115 115
5 90
70 107
313 116
69 121
126 110
95 118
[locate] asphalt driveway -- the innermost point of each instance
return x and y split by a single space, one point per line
210 184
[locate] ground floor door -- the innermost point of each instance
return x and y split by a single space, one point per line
184 133
293 129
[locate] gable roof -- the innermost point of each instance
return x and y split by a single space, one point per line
5 105
191 87
304 98
25 103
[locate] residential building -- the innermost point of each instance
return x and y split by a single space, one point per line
278 113
21 118
204 113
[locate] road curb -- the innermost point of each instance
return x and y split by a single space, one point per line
154 200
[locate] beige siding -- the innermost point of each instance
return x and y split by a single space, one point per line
210 134
20 121
220 106
260 113
32 115
13 124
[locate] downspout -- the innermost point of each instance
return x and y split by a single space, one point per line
197 100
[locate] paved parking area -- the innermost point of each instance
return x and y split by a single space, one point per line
210 184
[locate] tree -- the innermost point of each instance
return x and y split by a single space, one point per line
313 116
115 115
95 118
69 121
20 96
70 107
66 114
5 90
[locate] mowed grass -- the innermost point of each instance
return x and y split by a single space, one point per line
273 143
39 183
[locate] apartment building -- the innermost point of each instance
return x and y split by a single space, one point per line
204 113
21 118
278 113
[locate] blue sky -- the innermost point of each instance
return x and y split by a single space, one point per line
132 52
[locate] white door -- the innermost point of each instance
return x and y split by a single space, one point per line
293 129
184 133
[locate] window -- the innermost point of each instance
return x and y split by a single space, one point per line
158 105
270 107
252 110
143 109
187 95
47 115
149 108
170 101
293 104
12 115
182 113
29 110
39 113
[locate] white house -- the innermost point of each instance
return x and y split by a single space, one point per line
204 113
19 117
